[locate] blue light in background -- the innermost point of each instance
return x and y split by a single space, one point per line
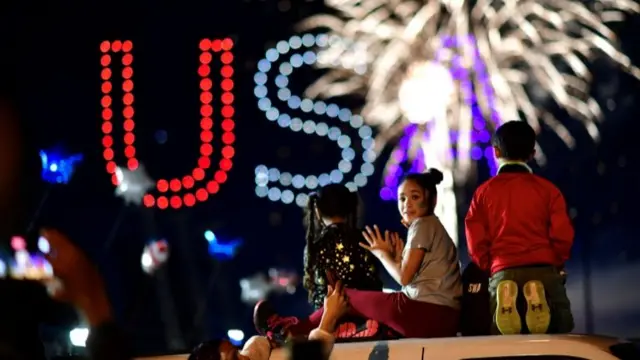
210 236
57 167
236 337
222 250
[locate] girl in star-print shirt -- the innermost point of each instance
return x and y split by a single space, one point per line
333 244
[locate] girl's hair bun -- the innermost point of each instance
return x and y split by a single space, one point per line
435 175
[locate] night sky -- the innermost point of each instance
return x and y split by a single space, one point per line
56 51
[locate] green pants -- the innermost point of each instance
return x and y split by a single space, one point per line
556 294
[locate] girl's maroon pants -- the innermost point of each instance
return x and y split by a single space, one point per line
410 318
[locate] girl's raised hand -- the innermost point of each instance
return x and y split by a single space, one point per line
376 243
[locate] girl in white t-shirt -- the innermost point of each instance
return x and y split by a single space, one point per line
427 268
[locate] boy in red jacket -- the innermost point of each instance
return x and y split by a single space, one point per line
518 230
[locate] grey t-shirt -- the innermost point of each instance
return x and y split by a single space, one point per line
438 281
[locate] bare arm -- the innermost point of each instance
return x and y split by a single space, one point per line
418 242
336 305
404 271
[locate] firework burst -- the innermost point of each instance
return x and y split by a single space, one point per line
440 75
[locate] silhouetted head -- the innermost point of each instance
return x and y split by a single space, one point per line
514 141
304 349
216 350
334 203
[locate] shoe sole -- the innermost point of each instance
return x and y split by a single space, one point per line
507 317
538 315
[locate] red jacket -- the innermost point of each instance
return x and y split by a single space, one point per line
517 219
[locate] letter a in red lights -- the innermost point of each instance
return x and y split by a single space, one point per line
191 188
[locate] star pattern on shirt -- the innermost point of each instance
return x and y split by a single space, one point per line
346 259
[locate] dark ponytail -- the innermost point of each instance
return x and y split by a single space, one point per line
313 226
427 181
354 210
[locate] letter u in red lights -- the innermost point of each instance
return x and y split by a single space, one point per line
190 188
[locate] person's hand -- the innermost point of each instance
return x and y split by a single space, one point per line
376 243
336 305
77 280
398 247
332 279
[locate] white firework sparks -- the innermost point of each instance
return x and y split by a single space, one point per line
393 52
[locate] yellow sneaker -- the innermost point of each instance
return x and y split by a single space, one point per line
538 314
507 317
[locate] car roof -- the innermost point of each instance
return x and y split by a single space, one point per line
579 346
602 342
570 343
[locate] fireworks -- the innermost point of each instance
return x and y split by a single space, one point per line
440 75
376 45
